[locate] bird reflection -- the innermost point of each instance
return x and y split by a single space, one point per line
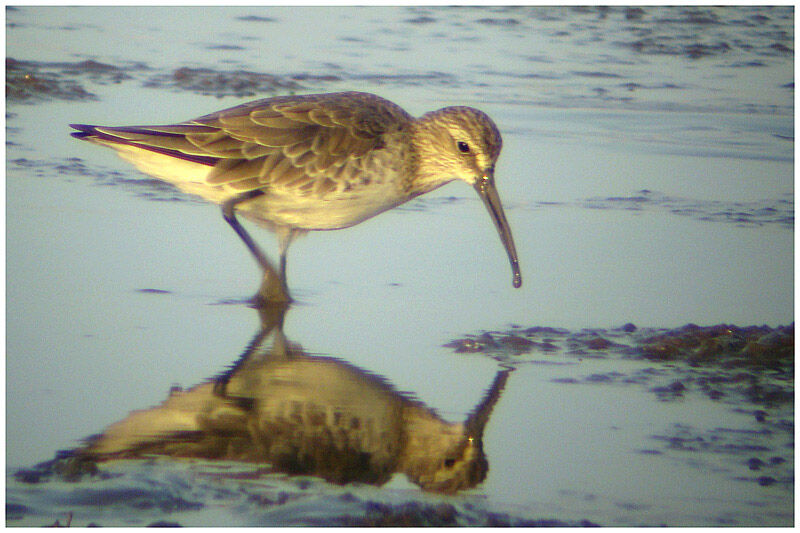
308 415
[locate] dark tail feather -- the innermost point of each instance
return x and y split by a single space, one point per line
84 130
88 132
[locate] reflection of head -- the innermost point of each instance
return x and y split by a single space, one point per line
443 461
445 457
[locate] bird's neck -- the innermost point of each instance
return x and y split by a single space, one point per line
429 166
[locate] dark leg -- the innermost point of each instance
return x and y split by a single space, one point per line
230 218
273 287
283 265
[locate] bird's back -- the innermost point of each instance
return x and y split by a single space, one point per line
307 147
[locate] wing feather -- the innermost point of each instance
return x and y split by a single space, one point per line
249 184
232 170
252 150
272 119
323 186
319 116
269 164
304 160
294 151
284 173
309 143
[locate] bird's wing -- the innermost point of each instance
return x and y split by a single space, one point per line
306 143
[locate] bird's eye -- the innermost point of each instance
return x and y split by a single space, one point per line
463 147
448 463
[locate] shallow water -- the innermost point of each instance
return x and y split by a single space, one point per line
646 173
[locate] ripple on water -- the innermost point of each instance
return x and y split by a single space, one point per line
740 39
777 212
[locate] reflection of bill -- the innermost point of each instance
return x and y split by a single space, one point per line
308 415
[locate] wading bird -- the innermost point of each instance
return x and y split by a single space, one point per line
294 164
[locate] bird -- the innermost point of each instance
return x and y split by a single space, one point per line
313 162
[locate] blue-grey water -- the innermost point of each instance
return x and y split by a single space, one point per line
647 174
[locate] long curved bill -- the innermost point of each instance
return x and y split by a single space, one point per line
488 193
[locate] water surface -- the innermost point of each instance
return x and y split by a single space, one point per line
646 173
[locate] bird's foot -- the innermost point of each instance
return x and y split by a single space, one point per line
272 292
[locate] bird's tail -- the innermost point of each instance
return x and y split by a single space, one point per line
163 152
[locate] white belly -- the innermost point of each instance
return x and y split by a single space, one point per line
288 208
333 211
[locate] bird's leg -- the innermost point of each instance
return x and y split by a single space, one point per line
285 237
282 263
230 217
272 292
273 287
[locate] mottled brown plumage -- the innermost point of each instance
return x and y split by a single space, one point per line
316 162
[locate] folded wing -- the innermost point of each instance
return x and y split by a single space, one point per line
307 143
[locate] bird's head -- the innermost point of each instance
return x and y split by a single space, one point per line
463 143
457 143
